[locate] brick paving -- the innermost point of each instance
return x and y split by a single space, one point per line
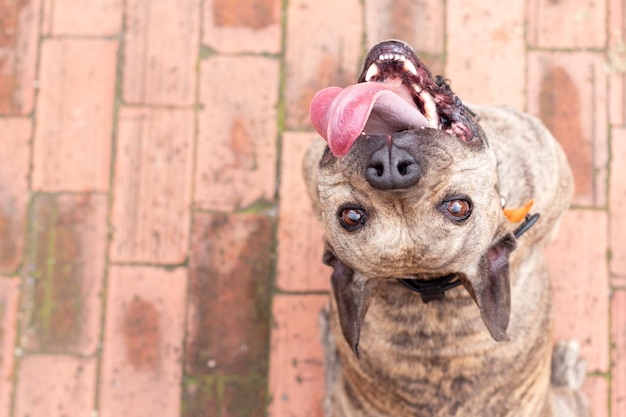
158 253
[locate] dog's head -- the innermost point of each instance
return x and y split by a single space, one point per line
408 188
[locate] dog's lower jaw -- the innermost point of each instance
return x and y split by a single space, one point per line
405 372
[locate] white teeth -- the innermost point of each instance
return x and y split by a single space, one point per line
391 57
371 71
408 66
430 109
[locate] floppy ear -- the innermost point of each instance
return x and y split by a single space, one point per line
353 295
491 288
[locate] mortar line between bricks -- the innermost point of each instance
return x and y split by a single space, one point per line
194 165
210 52
280 130
364 39
82 37
597 50
29 207
135 105
140 264
526 57
444 47
109 236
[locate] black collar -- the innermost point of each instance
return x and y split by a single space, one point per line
435 289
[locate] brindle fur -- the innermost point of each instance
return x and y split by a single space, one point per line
438 359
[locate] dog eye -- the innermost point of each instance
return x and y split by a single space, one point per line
458 209
352 218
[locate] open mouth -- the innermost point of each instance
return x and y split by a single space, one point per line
395 92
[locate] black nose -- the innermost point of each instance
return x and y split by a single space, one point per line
392 168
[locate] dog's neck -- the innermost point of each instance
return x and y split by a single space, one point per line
433 289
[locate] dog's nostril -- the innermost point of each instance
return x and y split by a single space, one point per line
379 168
403 167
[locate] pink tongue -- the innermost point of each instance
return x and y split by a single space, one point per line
341 115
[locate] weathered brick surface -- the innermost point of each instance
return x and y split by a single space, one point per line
617 202
230 281
9 296
421 24
243 398
76 17
242 25
56 386
567 91
618 330
485 52
19 32
141 364
63 276
161 49
73 121
152 187
566 24
300 243
296 381
195 111
323 49
15 135
236 156
578 270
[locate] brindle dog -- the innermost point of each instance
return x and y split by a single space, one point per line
426 204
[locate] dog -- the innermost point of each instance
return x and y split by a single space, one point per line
436 215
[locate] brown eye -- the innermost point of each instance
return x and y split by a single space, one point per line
352 218
458 209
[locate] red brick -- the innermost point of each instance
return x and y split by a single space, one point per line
566 24
242 25
300 244
65 255
19 40
618 382
15 135
152 186
231 265
617 202
9 297
296 382
323 49
236 156
486 55
72 150
56 386
243 398
161 49
421 24
596 388
577 263
76 17
568 92
141 362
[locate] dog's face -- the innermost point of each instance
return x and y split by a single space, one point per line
441 222
408 188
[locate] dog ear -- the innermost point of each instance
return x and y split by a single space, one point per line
353 295
491 288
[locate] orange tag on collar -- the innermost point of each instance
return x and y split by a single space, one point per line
518 214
